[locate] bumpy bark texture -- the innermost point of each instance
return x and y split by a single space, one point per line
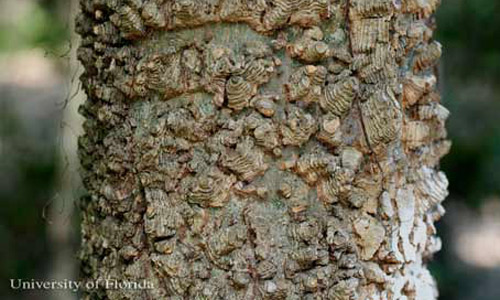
254 149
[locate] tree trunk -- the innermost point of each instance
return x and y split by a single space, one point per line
253 149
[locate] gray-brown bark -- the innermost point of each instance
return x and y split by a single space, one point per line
259 149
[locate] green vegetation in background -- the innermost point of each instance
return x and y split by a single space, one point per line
470 32
27 179
39 27
470 72
28 167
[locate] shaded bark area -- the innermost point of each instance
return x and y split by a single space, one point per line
261 150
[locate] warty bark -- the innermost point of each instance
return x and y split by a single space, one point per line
257 149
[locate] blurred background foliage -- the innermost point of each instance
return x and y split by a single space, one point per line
468 267
34 67
469 78
34 24
470 33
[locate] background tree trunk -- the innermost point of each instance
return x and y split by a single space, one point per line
258 149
